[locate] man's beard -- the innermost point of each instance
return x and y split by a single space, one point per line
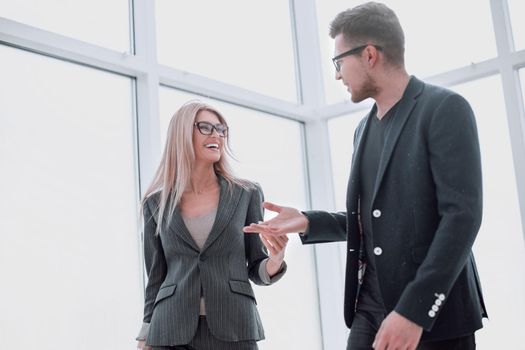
368 89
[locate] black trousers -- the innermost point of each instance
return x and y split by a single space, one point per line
366 324
204 340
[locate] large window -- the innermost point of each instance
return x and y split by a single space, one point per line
516 8
522 80
499 248
79 135
341 131
99 22
269 151
244 43
69 254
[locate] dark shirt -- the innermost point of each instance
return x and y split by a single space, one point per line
370 295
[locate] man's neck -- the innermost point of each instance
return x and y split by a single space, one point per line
390 92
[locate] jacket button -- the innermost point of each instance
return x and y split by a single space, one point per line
435 308
376 213
438 302
378 251
432 313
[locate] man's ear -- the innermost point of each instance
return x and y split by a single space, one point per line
372 55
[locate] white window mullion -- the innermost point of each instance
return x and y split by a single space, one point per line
212 88
311 90
147 90
146 98
512 94
55 45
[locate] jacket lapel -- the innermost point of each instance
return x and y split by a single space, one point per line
353 183
228 201
406 104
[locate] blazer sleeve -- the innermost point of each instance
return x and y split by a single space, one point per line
155 261
256 254
454 157
324 227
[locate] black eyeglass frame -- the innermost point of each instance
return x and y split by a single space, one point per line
223 133
351 52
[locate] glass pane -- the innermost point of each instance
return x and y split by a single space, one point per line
522 80
242 49
69 243
341 136
293 300
517 7
99 22
431 46
499 248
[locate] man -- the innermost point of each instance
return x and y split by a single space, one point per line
414 199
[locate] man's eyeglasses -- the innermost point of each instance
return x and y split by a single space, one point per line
337 59
206 128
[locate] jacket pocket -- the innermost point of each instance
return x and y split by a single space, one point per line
241 287
165 292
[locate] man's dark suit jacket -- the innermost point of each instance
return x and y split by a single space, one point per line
178 270
426 211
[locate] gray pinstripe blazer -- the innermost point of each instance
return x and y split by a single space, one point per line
177 270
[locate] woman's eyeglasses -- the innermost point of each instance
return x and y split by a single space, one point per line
206 128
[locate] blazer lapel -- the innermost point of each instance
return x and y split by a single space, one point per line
406 104
360 139
228 202
353 188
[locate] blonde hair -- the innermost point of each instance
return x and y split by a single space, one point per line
174 171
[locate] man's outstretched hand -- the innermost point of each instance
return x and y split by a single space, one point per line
288 220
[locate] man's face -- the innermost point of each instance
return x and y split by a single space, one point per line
353 70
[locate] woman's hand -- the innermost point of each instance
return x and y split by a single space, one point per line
141 345
276 246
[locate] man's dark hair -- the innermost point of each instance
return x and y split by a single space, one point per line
372 23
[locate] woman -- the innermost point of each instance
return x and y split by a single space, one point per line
198 259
